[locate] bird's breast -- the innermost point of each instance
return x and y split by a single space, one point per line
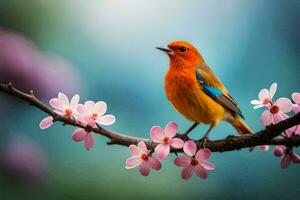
186 95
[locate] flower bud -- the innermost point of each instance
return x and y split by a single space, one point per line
279 151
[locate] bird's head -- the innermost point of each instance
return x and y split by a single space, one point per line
182 53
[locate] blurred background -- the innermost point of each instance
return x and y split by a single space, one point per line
105 50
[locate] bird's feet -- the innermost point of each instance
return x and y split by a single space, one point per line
202 142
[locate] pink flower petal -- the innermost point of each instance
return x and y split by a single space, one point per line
190 148
63 99
79 135
157 134
296 108
142 147
266 118
132 162
284 104
203 154
106 120
89 105
295 157
207 165
55 103
74 101
282 116
81 109
255 102
182 161
89 141
285 162
264 147
162 151
289 132
80 119
258 106
273 89
46 122
145 168
171 129
296 97
263 94
187 172
278 117
177 143
100 108
201 172
279 150
154 163
134 150
89 120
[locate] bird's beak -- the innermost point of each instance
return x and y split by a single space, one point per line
165 49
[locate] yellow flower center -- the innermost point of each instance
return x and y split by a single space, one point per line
69 112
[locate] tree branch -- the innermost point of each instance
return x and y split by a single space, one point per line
263 137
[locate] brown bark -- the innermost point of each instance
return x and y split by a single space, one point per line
268 136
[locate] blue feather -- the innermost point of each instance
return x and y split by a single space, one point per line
217 95
214 92
211 91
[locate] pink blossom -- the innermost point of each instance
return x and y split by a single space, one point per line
296 109
140 157
62 106
194 161
93 113
297 130
279 150
276 113
287 154
165 139
265 97
89 114
80 135
296 99
46 122
264 147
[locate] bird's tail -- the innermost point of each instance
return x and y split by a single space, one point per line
240 126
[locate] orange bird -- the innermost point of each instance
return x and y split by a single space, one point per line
196 92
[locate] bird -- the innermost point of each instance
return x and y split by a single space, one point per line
197 93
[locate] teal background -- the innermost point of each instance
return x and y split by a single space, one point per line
111 44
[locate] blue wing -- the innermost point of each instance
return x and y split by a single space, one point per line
225 100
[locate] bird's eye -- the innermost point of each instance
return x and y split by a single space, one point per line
182 49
